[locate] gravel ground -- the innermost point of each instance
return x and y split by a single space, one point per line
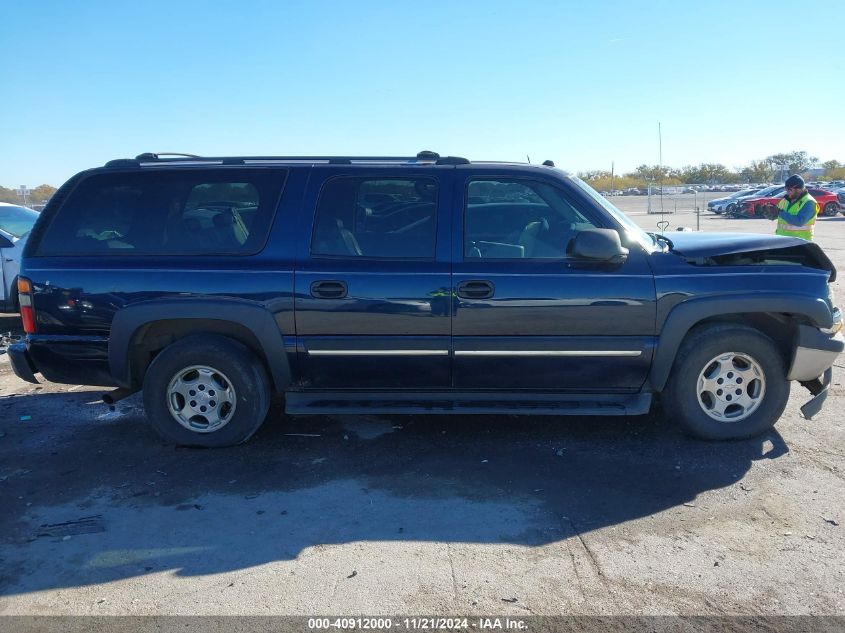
421 515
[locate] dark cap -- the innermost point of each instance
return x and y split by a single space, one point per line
794 181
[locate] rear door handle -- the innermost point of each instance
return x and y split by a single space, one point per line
328 290
476 289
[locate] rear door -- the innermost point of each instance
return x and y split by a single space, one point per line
373 279
527 315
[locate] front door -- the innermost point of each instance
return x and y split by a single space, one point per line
372 289
527 316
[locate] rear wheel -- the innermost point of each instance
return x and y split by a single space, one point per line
728 382
206 390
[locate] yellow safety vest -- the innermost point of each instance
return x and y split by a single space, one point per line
805 232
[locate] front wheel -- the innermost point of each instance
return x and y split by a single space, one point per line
728 382
830 209
206 390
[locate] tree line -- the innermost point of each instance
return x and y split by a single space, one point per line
38 195
767 169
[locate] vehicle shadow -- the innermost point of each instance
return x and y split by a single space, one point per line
307 482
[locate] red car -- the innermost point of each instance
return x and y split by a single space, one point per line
828 202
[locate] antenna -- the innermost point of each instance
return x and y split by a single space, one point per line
611 177
660 159
529 158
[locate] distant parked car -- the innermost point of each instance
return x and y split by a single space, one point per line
15 225
840 197
736 208
828 203
728 203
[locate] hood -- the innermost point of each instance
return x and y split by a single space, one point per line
718 248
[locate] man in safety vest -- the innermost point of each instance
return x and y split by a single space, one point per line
796 213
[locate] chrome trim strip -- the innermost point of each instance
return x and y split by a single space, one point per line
378 352
567 352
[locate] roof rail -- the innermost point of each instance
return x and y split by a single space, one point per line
151 156
123 162
424 157
452 160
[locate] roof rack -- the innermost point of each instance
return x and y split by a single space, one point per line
151 156
422 158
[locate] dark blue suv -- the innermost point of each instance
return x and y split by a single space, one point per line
421 284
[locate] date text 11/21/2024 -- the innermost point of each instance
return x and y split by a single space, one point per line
418 623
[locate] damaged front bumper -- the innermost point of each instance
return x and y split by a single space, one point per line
818 388
812 364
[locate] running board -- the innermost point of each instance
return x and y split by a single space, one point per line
434 403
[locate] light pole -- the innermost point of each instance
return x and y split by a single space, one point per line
23 191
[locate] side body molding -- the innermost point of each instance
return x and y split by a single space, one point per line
255 318
686 314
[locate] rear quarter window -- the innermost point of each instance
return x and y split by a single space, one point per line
190 212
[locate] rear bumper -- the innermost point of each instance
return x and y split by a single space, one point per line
71 360
21 362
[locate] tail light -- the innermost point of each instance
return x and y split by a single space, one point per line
25 302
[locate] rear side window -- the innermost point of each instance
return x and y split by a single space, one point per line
196 212
376 218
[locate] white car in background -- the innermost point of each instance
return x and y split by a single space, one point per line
15 224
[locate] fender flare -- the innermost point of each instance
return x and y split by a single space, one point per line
258 320
684 316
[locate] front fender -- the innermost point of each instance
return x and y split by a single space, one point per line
684 316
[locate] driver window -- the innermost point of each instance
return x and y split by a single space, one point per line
518 219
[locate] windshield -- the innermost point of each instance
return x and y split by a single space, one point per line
16 220
633 231
767 191
745 192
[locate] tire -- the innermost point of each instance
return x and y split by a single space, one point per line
230 386
743 358
830 209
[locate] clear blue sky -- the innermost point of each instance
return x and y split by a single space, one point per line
584 83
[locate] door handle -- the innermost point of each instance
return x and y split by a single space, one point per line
476 289
328 290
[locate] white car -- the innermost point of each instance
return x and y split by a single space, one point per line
15 225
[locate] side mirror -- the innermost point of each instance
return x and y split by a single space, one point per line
5 242
600 245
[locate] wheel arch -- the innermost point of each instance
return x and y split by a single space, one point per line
776 315
142 330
